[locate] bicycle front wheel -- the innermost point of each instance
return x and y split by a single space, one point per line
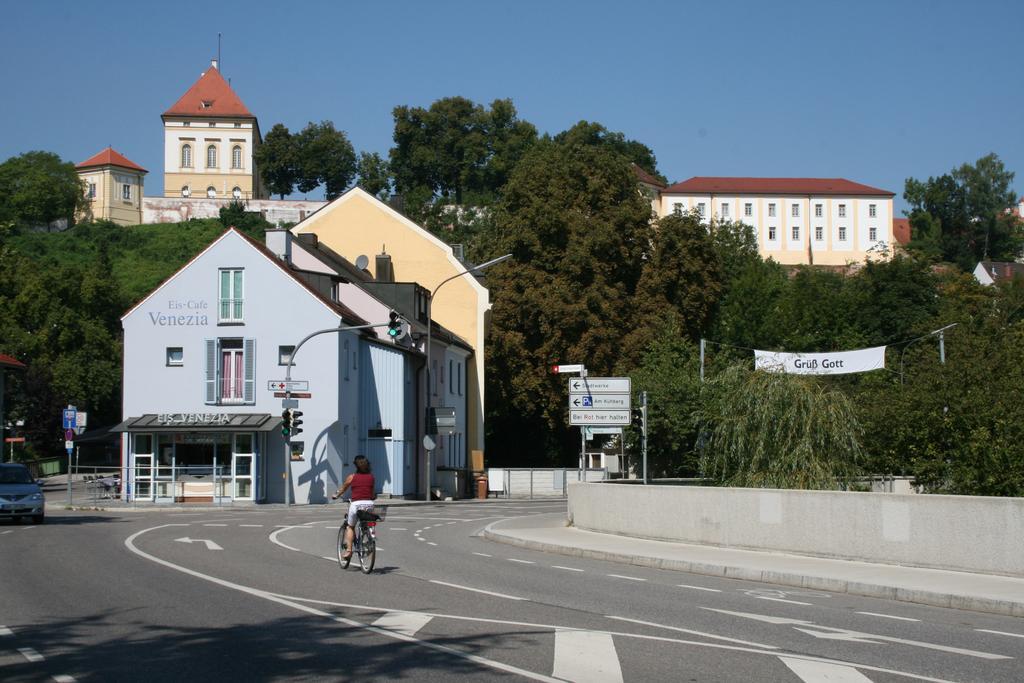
342 561
367 550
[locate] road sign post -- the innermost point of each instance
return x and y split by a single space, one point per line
643 433
70 418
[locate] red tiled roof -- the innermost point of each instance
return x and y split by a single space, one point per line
8 362
110 157
645 177
814 186
901 230
210 96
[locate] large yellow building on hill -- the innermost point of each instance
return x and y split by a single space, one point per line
210 142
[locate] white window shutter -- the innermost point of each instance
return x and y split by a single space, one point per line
249 362
211 371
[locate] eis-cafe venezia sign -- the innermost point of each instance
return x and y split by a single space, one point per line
182 313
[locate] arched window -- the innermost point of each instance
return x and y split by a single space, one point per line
211 156
186 156
237 192
186 191
211 192
236 156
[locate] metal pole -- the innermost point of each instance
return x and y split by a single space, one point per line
288 441
69 477
942 346
702 359
643 432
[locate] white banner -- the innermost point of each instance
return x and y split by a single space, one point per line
831 363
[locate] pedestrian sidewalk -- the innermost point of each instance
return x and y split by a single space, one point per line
959 590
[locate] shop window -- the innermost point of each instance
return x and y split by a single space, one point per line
143 444
230 371
175 356
231 292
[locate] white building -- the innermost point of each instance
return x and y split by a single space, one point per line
819 221
203 423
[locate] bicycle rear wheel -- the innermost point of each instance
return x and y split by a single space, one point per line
367 549
343 562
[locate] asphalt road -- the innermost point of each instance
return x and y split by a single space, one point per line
129 596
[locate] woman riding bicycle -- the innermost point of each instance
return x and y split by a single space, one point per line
363 494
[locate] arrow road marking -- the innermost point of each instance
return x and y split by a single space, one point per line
833 633
586 656
210 545
823 672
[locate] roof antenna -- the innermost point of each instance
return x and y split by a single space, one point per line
220 65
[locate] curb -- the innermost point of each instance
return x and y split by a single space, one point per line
1009 608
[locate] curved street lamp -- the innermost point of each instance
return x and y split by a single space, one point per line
428 442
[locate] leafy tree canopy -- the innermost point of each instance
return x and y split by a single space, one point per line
37 188
278 161
374 174
325 157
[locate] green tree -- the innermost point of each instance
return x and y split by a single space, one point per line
277 160
578 230
772 430
374 174
961 217
680 284
591 133
325 157
456 151
37 188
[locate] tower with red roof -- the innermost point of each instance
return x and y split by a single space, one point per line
210 141
113 185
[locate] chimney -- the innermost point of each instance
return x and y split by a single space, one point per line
279 241
384 271
309 238
213 63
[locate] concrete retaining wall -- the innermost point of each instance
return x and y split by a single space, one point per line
964 533
179 209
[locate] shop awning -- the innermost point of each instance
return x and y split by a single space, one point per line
200 422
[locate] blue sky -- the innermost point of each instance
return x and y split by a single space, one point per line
871 91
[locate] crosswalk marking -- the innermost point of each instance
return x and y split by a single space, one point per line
30 654
586 656
5 631
406 623
63 678
823 672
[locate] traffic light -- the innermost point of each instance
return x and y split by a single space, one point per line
638 418
296 422
286 423
395 325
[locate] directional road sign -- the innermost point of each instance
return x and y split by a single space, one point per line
69 418
561 369
291 385
620 401
599 385
589 432
605 418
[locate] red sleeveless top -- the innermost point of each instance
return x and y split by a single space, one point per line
363 486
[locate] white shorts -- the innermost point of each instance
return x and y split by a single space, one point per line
355 506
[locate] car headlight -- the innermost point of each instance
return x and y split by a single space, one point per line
35 497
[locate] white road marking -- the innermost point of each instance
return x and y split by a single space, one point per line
276 541
697 633
791 602
887 616
586 656
332 527
431 543
4 631
30 654
420 538
210 545
63 678
821 672
699 588
406 623
512 559
9 531
833 633
215 525
251 525
325 557
483 661
568 569
475 590
397 528
628 578
483 554
985 630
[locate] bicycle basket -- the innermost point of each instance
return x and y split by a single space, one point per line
374 514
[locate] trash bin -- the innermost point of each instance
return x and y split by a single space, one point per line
481 487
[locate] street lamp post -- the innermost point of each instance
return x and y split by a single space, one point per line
429 443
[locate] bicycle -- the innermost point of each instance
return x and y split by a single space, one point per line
364 539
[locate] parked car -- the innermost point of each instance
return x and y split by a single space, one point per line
20 494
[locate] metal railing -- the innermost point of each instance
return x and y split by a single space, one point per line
538 482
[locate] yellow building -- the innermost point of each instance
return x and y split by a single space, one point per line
358 224
210 142
113 186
